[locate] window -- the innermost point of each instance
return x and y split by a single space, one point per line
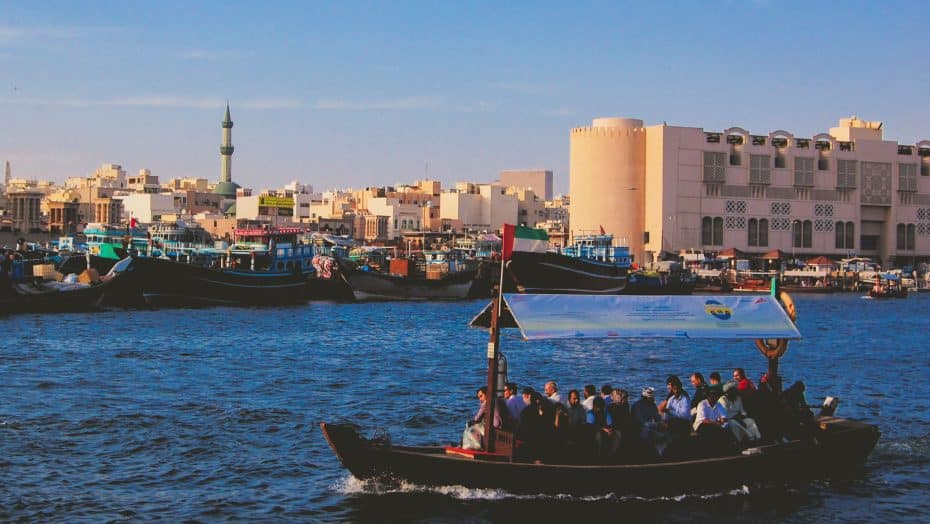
823 164
803 171
906 236
925 166
802 233
846 173
907 177
844 232
760 171
780 162
712 231
714 168
758 232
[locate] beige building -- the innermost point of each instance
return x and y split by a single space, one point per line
539 180
478 207
667 188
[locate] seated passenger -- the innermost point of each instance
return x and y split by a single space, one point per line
499 414
576 413
676 409
606 391
742 427
589 393
606 439
700 390
619 410
711 423
552 392
652 430
536 429
515 403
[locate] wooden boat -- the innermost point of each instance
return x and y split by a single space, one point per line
887 286
37 295
828 445
377 273
265 267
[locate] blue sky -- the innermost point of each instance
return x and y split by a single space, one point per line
371 93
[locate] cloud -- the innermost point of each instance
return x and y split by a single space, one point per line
159 101
16 35
410 102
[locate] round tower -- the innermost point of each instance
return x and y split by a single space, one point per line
607 174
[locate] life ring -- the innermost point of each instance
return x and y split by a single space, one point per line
775 348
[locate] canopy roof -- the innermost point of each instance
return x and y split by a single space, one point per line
820 261
775 254
640 316
731 252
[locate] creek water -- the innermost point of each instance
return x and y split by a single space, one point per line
212 414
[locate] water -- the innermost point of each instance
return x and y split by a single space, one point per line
212 414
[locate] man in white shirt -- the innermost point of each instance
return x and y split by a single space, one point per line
552 392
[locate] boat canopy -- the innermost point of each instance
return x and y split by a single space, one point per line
640 316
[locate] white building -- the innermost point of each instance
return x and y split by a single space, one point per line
147 207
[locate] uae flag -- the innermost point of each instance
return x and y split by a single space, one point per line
526 239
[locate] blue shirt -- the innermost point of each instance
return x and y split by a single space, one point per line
679 407
515 406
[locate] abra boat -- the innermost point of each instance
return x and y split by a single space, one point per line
887 285
43 295
829 444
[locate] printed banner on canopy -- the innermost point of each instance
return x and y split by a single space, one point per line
632 316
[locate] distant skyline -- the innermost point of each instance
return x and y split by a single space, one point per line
364 93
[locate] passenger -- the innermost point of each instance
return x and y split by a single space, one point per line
652 431
536 429
576 413
552 392
715 383
676 409
515 403
589 393
742 381
619 409
700 391
711 423
600 423
482 395
606 391
742 427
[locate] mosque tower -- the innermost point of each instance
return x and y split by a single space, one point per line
7 173
226 186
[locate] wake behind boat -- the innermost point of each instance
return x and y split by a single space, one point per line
818 445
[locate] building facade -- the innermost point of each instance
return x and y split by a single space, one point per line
667 188
539 180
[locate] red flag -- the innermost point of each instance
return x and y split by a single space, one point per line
132 222
602 230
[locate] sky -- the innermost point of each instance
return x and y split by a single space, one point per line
354 94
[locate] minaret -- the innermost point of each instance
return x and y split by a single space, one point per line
226 149
7 174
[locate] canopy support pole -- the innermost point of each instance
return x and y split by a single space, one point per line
491 399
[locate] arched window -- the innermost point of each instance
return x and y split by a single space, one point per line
840 233
911 236
718 231
753 232
802 233
764 232
902 234
707 231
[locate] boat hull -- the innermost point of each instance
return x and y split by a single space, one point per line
371 285
557 273
846 444
168 283
42 298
